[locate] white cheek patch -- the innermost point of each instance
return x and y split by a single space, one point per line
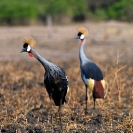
82 36
28 48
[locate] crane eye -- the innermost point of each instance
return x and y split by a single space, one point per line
28 48
82 36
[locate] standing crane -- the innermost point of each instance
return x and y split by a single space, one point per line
91 74
55 78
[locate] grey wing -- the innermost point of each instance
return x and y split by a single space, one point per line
64 79
63 85
91 70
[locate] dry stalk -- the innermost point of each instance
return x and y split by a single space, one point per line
117 75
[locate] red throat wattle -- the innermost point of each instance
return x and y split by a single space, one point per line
81 42
31 55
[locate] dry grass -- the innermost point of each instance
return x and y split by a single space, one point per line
24 102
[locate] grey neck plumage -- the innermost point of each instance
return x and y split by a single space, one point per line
82 56
46 64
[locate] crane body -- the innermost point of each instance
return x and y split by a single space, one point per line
55 79
91 74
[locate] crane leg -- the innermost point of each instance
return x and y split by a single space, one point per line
94 102
51 114
86 98
60 115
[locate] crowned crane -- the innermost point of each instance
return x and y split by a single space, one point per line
55 79
91 74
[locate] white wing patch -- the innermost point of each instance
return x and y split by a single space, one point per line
66 78
67 89
92 80
67 85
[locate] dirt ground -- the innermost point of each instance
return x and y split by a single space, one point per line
24 102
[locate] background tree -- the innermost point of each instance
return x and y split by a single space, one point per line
24 11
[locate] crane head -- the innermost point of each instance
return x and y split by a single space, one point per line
29 43
82 33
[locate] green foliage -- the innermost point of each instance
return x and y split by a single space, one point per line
121 10
94 9
112 9
18 9
62 7
117 9
100 14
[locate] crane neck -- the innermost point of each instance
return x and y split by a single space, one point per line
82 56
46 64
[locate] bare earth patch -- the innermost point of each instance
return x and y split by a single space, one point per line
24 101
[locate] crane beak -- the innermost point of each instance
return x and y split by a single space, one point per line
23 50
77 37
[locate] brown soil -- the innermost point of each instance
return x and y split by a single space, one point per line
24 101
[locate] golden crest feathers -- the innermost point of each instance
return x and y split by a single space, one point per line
30 41
83 30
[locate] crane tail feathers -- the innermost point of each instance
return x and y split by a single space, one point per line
98 90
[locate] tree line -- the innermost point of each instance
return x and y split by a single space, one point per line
26 11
